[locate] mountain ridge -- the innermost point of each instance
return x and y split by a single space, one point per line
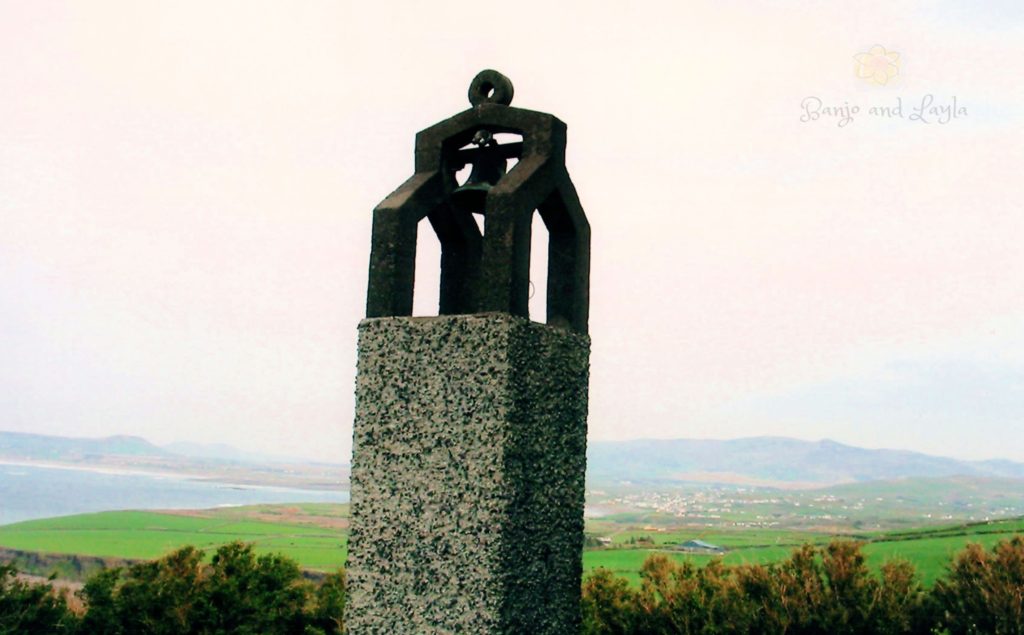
773 461
763 461
43 447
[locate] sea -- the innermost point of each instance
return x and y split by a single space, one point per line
30 492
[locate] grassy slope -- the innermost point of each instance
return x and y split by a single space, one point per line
315 536
930 549
145 535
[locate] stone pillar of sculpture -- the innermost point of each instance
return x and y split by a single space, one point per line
469 448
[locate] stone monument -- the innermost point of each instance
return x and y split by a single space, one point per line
469 444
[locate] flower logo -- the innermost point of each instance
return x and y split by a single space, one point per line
878 65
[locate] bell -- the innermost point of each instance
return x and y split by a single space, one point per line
488 167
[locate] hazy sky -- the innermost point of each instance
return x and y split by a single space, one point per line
186 192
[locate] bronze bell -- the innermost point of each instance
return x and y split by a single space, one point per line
488 168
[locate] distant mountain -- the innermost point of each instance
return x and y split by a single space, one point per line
772 461
40 447
225 452
127 454
754 461
218 451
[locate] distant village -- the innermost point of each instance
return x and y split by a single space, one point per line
763 508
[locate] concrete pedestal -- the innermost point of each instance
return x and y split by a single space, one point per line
469 457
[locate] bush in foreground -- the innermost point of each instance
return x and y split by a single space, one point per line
984 591
236 592
818 590
32 608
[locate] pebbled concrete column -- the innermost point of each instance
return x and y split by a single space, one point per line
469 457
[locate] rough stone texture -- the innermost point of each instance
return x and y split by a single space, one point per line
469 456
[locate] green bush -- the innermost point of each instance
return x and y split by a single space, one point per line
32 608
608 604
983 591
825 590
237 592
816 591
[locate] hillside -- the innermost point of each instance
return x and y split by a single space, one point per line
218 463
755 461
771 462
316 536
39 447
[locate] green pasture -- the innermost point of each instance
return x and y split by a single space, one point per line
930 555
722 537
298 531
929 549
627 562
147 535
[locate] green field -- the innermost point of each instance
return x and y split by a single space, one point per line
315 536
147 535
930 549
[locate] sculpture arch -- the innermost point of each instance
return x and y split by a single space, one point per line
486 272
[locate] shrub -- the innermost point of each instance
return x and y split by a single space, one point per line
817 591
608 604
32 608
237 592
328 613
983 592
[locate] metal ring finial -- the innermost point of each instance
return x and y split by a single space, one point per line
490 87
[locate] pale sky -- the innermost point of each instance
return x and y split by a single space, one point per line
186 192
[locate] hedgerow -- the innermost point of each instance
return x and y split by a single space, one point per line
816 591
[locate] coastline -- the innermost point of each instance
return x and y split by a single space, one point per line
98 469
33 490
253 482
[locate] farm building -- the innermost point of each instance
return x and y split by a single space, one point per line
699 546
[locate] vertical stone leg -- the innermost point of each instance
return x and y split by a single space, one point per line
468 467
